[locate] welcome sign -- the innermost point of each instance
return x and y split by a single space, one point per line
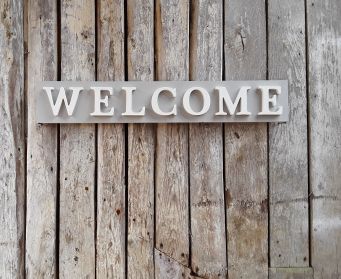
162 101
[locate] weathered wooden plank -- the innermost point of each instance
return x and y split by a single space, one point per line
141 203
324 33
111 202
288 158
291 273
110 244
246 146
141 146
246 200
42 140
172 222
208 238
12 140
110 40
168 268
77 147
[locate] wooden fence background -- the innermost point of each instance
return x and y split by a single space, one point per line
171 201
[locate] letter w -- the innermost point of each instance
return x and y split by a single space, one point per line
62 98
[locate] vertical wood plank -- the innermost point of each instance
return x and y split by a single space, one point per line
141 145
246 145
246 200
172 222
288 158
324 33
77 147
110 244
42 143
208 239
12 140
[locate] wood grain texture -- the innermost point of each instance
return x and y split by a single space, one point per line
42 140
291 273
77 147
141 146
188 160
171 167
246 200
12 140
168 268
288 158
111 204
324 45
246 146
208 238
110 40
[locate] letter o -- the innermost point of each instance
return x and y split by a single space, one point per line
206 101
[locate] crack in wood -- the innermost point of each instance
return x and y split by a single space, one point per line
168 267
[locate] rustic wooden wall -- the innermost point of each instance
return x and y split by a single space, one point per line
171 201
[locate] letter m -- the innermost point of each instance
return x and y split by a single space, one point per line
224 98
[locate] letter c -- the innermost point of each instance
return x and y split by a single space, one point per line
155 101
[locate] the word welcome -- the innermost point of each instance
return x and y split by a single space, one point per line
119 102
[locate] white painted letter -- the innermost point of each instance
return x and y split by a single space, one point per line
224 97
267 100
62 98
129 103
155 101
99 101
205 97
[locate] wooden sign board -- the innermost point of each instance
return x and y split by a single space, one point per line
162 101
